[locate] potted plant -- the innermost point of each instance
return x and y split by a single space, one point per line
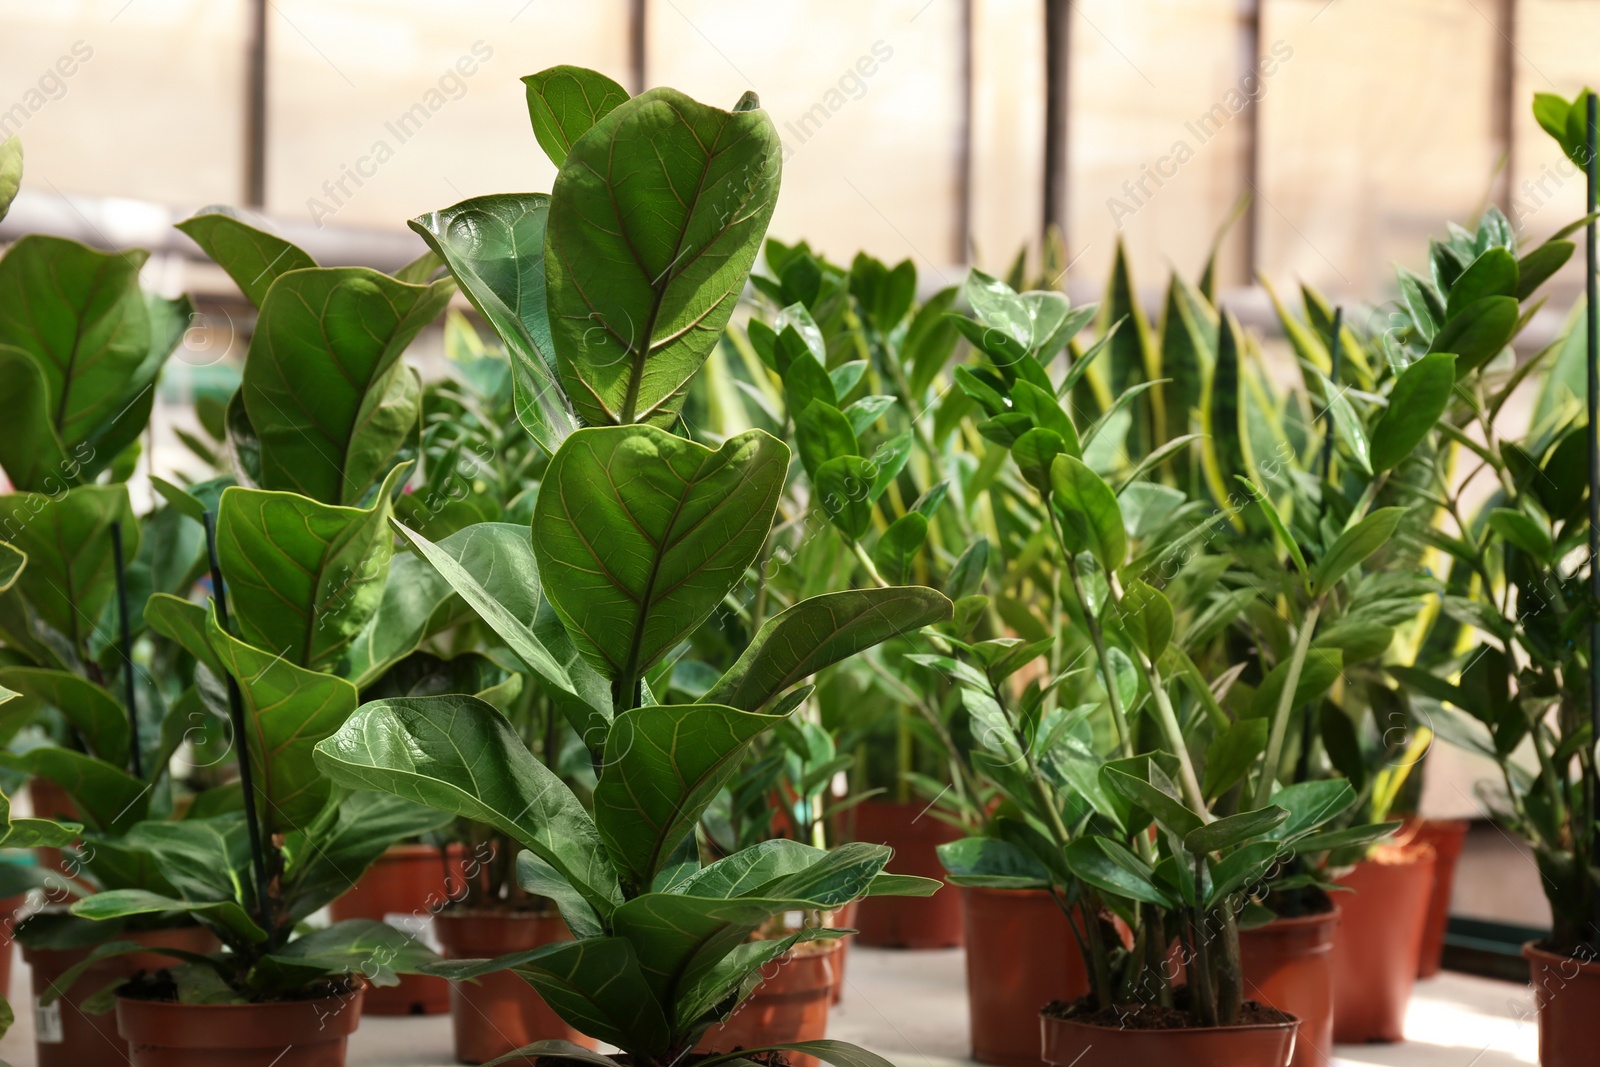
638 535
1520 693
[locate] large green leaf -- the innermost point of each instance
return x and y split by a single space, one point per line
564 102
93 712
417 602
492 566
656 216
31 451
303 577
253 258
80 315
71 574
1478 331
494 246
993 863
109 798
595 985
324 387
373 949
1420 396
1355 545
663 765
324 863
456 753
288 709
108 442
121 903
1091 520
197 859
640 534
802 640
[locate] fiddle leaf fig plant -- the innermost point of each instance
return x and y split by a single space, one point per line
638 535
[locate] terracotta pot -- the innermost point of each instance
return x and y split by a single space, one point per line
50 801
790 1004
1021 955
1376 946
1567 993
1288 964
845 918
499 1012
406 888
8 920
64 1036
295 1033
908 922
1446 836
1075 1044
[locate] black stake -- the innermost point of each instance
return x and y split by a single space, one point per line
135 757
1335 356
258 855
1592 314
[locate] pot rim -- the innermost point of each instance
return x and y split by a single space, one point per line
1288 922
1290 1023
990 890
1532 952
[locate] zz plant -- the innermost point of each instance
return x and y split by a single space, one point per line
609 293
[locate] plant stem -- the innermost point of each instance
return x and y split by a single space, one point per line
135 756
866 561
1280 715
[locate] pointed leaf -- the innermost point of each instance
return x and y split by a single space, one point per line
564 102
253 258
1420 397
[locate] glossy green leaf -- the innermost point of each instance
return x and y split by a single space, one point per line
71 575
596 985
1232 753
822 432
1035 452
121 903
1280 529
1310 805
1088 860
253 258
992 863
1478 332
31 451
663 765
325 861
456 753
327 395
1170 812
1494 273
1147 617
536 876
108 797
802 640
564 102
368 947
640 534
895 554
1355 545
288 709
94 713
1091 520
1420 396
1524 531
1232 830
494 247
303 577
1537 267
656 217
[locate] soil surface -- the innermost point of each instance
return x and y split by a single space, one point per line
1154 1016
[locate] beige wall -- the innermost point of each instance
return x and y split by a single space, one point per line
1376 123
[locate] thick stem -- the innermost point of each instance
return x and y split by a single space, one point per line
1280 716
1230 971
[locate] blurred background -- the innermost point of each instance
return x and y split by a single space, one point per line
948 132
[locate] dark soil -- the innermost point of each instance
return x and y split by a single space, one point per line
1153 1016
159 986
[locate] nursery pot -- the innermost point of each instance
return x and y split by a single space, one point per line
1566 991
293 1033
1069 1043
908 922
790 1004
1376 946
8 924
1288 964
65 1036
1446 836
406 887
492 1015
1021 955
844 918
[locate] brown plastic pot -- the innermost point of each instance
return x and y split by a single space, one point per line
1566 991
1288 964
1021 955
1376 946
790 1004
908 922
492 1015
1074 1044
294 1033
844 918
64 1035
406 888
1447 836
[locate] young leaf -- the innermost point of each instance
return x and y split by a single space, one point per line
896 551
1091 521
822 432
1355 545
1420 396
564 102
843 487
656 216
253 258
1147 617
